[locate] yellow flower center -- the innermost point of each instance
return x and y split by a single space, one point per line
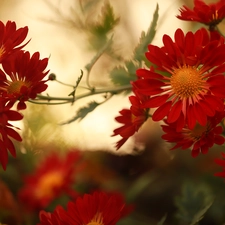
97 220
186 82
48 183
15 86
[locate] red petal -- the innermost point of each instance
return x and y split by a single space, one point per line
155 101
162 111
174 112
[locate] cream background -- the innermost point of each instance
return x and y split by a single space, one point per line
68 54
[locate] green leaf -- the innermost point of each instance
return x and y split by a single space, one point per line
82 112
105 24
107 21
161 222
199 215
193 203
100 52
146 38
123 75
138 187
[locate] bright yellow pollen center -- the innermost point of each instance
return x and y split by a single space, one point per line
48 183
186 82
15 86
97 220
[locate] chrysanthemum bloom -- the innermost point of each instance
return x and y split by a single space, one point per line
221 162
7 131
99 208
22 77
54 218
200 139
10 39
52 178
132 119
209 14
188 83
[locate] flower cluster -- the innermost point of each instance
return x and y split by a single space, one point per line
184 88
210 15
21 79
99 208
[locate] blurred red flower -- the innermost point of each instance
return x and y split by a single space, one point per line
132 119
7 131
24 77
55 218
99 208
221 162
199 139
52 178
10 39
188 83
209 14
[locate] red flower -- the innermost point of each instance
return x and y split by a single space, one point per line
10 39
24 77
188 83
7 131
132 118
52 178
199 139
98 208
54 218
221 162
211 14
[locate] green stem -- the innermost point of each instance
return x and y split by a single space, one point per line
113 90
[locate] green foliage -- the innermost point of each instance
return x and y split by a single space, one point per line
161 222
193 203
82 112
105 24
141 184
123 75
76 85
146 38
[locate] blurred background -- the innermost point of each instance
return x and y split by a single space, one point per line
56 32
156 180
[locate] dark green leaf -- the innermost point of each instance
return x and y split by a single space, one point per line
146 38
107 21
82 112
199 215
105 24
193 203
161 222
123 75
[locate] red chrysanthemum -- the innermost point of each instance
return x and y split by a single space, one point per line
10 39
7 131
211 14
54 177
99 208
188 83
199 139
55 218
132 119
221 162
22 77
